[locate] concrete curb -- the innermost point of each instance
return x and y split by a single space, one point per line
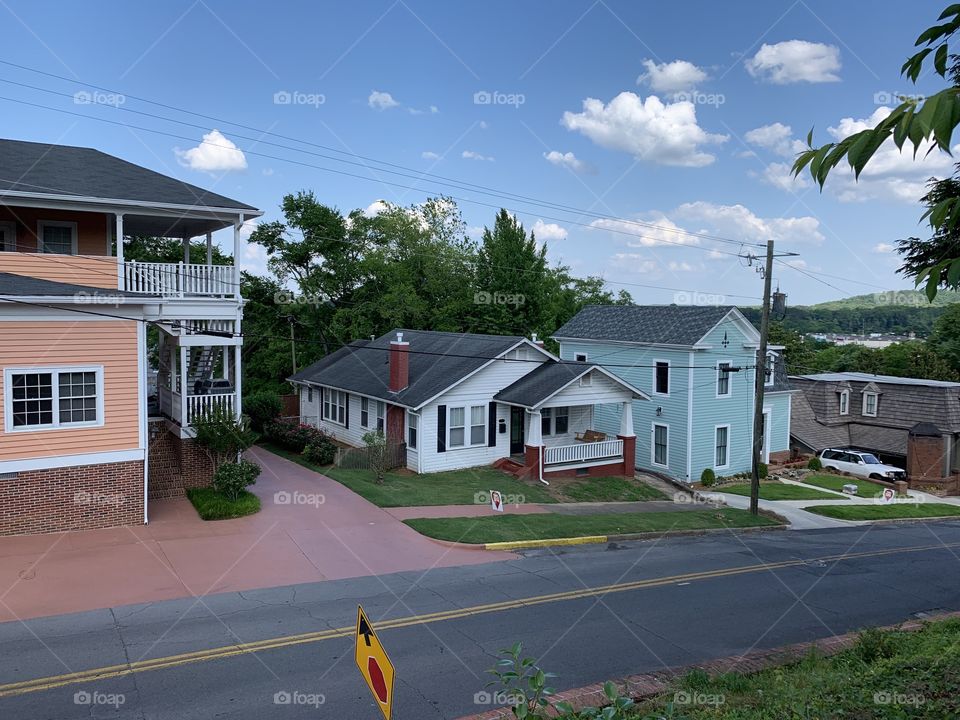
649 685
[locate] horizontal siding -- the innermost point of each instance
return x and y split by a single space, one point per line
92 227
112 344
74 269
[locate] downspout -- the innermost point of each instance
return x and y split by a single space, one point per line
540 466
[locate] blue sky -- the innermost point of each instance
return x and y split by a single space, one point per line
682 115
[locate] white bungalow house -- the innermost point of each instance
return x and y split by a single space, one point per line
458 400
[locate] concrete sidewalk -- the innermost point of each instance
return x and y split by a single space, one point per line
310 528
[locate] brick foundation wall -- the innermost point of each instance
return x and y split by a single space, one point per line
175 463
610 470
72 498
925 459
781 456
196 470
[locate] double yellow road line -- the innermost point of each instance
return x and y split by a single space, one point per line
227 651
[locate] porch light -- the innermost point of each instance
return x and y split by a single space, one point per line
659 411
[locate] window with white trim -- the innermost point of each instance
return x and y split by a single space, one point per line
661 378
721 443
309 394
364 412
870 404
723 379
335 406
770 369
41 398
381 416
8 236
546 421
462 435
561 420
57 237
844 402
413 426
580 357
661 440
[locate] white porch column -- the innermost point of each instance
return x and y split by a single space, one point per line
236 256
626 419
121 275
184 390
209 248
533 428
186 250
238 390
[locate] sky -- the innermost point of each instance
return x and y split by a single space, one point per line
648 143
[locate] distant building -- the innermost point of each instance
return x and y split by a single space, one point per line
875 341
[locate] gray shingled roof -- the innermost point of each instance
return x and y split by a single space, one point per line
40 168
437 361
816 435
542 382
653 324
12 285
848 377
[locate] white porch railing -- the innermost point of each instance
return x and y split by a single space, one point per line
177 279
583 452
198 405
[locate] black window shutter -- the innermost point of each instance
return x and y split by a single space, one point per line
322 391
441 428
492 425
346 411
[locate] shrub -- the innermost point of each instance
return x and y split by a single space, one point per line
377 446
762 471
708 477
814 463
262 407
232 478
221 435
291 434
321 450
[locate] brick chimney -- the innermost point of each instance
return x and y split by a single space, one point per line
399 364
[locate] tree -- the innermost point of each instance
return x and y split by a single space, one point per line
797 351
945 339
376 444
927 123
222 436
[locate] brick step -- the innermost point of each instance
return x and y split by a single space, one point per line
164 493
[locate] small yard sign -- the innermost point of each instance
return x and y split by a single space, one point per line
496 500
374 664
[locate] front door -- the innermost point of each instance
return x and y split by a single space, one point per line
516 430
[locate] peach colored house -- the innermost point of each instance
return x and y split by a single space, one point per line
85 440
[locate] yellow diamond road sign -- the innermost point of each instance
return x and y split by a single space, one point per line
374 664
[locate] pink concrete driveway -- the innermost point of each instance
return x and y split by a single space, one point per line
310 528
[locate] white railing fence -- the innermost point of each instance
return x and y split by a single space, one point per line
177 279
583 452
199 405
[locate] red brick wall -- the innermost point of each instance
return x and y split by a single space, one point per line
196 470
925 458
72 498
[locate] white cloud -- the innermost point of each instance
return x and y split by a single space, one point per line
548 231
430 155
795 61
667 134
883 248
738 221
567 160
215 154
634 262
656 230
471 155
671 77
777 138
376 207
381 100
781 176
681 266
267 172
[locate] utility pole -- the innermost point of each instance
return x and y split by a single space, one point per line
758 429
293 343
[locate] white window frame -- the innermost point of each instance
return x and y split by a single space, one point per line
716 430
580 357
467 427
309 394
365 413
10 227
844 402
876 403
54 370
556 414
413 430
41 224
328 401
653 445
770 366
381 408
546 422
729 392
654 387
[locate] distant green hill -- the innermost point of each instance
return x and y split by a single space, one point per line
890 298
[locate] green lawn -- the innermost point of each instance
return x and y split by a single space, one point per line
887 674
885 512
865 488
211 505
402 489
609 489
777 491
501 528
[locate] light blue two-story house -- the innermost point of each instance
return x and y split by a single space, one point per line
697 365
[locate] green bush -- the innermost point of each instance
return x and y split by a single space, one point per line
232 478
762 471
262 407
291 434
814 463
321 450
708 477
221 435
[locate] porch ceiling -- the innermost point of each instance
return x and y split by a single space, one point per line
175 226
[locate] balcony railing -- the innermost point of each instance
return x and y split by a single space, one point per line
172 405
583 452
178 279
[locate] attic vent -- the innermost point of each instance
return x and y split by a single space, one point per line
8 476
586 380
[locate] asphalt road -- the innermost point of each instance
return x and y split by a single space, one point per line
588 613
